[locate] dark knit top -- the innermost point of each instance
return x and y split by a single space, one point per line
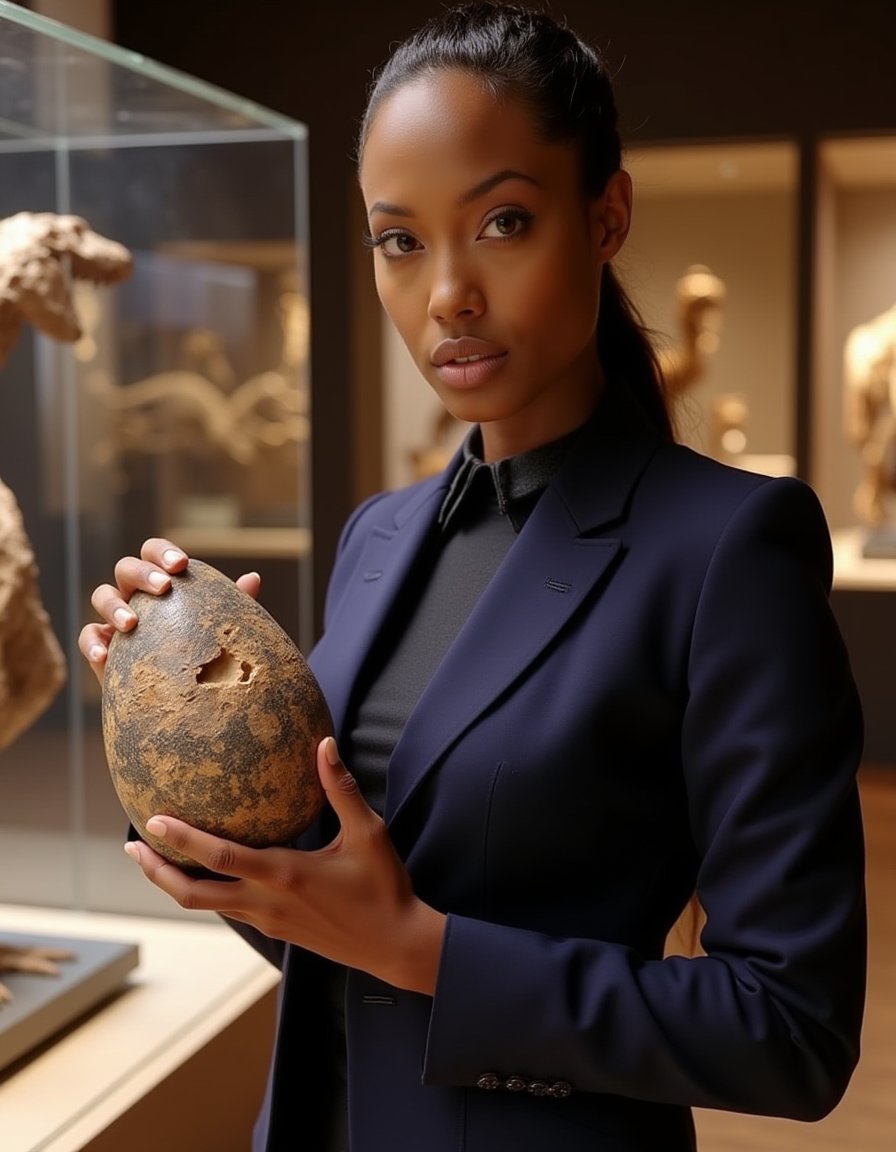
486 506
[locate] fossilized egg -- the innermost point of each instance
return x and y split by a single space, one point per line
211 714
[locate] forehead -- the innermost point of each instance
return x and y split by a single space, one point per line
448 129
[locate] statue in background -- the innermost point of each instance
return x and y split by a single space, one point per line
40 256
869 412
700 296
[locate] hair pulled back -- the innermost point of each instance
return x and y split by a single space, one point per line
525 53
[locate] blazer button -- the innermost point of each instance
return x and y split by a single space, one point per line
515 1084
560 1090
537 1088
489 1081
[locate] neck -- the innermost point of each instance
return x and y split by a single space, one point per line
534 428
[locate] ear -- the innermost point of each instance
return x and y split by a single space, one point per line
611 216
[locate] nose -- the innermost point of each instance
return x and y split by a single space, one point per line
454 293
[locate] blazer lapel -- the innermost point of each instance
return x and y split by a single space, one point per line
385 561
550 569
543 579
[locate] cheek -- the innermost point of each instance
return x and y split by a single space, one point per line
393 300
406 311
555 297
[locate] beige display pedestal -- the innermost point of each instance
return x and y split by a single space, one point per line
177 1061
853 572
865 606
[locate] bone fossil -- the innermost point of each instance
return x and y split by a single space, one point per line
41 256
41 253
196 408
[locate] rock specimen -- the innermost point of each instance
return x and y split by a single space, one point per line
211 714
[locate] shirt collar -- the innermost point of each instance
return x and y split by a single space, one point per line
516 480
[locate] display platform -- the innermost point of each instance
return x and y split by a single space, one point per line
857 570
43 1005
174 1044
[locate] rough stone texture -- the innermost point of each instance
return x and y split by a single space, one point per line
32 670
40 253
32 665
210 713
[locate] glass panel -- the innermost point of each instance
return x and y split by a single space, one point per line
182 409
855 293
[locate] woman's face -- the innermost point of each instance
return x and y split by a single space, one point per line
488 257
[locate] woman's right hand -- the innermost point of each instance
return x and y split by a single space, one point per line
150 572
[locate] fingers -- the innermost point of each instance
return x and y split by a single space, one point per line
147 573
211 852
150 572
164 553
250 584
196 895
93 642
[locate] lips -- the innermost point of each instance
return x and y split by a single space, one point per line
467 350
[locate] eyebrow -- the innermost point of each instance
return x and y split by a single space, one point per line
468 197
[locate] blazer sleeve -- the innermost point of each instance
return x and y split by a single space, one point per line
768 1020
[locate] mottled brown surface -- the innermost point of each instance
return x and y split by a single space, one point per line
210 713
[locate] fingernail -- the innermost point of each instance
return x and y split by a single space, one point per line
172 556
331 752
131 850
96 652
159 579
123 617
157 827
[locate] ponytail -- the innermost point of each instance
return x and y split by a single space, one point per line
627 354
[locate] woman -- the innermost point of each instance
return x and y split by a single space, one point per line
582 675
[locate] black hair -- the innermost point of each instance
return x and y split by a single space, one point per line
565 83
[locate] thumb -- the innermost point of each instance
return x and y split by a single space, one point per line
340 786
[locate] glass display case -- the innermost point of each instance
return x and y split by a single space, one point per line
711 263
181 410
854 409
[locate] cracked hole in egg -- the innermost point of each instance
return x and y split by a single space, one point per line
225 669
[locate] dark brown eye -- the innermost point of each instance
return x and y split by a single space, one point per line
398 243
504 225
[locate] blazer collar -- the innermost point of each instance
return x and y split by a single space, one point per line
559 558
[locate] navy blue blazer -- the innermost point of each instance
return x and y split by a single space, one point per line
650 696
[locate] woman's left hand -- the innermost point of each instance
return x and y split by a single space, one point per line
351 901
